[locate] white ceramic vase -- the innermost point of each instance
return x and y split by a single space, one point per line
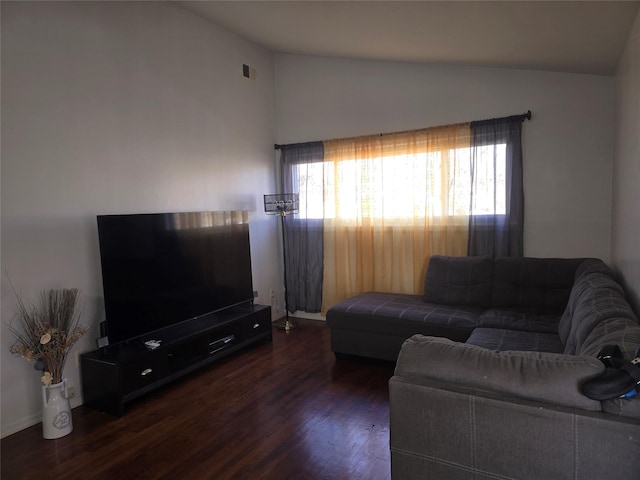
56 411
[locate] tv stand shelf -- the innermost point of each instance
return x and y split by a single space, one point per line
117 374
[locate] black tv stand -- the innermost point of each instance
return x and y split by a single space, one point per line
117 374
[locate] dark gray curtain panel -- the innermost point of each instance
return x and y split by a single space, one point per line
303 237
497 233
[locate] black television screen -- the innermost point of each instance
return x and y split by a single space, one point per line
162 269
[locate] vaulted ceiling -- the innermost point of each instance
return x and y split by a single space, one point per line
568 36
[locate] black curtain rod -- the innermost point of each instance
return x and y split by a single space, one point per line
523 117
278 146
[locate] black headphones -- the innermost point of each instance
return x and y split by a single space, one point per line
621 377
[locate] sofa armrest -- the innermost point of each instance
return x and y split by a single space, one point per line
546 377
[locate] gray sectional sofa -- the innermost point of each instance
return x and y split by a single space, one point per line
490 365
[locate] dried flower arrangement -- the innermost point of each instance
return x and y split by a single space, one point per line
47 331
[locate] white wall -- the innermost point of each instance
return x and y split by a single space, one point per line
119 107
568 146
626 173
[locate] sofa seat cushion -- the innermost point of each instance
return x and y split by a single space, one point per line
502 339
625 407
519 319
401 314
547 377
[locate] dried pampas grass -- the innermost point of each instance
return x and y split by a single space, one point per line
45 332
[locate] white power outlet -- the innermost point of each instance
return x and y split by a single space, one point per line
71 392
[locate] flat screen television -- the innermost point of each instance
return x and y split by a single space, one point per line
161 269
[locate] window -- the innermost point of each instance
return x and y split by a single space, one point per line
404 186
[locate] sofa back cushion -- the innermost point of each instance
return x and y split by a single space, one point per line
463 281
548 377
595 298
581 282
580 287
538 284
624 332
593 265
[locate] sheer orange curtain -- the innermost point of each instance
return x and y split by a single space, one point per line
391 201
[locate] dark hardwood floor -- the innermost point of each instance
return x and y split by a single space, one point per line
286 410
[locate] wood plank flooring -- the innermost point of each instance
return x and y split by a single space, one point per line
286 410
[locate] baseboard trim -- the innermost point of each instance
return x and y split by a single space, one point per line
23 423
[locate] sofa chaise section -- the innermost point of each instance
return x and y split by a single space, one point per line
376 324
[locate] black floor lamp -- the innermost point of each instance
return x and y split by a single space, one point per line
283 204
